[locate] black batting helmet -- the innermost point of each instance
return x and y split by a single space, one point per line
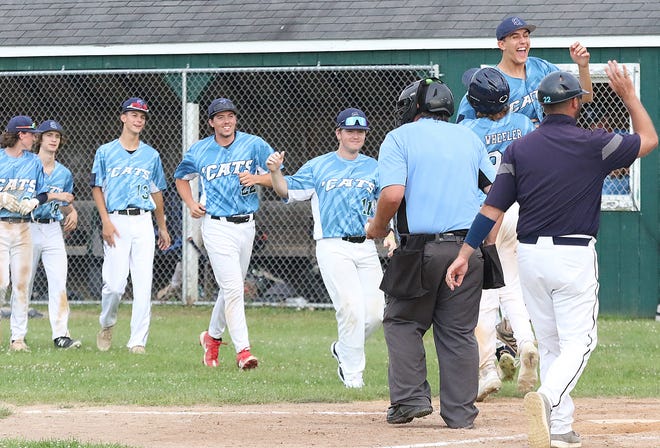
558 87
488 92
425 95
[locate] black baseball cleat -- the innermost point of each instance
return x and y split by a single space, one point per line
66 342
405 413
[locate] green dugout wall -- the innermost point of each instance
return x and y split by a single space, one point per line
628 244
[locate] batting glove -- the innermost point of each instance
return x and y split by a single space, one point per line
9 202
27 205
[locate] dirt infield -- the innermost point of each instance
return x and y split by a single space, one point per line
607 422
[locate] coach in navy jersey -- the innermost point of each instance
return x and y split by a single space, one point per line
523 72
343 186
430 172
230 164
556 174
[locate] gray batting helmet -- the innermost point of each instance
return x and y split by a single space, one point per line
558 87
425 95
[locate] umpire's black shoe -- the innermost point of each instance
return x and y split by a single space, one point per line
405 413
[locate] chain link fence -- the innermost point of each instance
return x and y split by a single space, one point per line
607 111
291 108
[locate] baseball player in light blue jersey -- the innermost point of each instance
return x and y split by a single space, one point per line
343 186
524 73
488 93
47 237
127 183
22 189
229 164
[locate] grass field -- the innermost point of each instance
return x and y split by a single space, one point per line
295 363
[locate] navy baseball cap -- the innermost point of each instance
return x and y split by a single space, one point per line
22 123
50 125
511 24
221 105
352 119
135 103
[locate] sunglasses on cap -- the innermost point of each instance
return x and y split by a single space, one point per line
355 121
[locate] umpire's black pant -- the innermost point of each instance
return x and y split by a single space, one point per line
453 315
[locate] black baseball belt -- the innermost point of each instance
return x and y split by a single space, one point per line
235 219
130 212
12 220
421 238
558 240
354 239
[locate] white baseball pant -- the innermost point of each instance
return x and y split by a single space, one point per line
509 297
48 246
560 287
133 252
352 274
229 247
16 265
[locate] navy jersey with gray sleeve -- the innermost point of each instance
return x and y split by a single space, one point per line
342 193
219 166
128 178
523 92
556 174
58 181
22 177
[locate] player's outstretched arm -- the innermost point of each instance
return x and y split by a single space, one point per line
248 179
621 83
274 164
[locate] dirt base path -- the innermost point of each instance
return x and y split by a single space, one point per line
608 422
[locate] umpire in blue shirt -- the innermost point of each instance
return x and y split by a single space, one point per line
430 172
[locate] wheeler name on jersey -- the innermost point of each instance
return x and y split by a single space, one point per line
500 137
